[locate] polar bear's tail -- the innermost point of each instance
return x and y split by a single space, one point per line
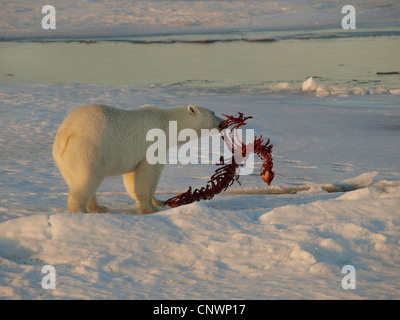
63 138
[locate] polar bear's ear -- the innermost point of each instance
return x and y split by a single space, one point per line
193 109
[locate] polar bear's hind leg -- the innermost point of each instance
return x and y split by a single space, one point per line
82 193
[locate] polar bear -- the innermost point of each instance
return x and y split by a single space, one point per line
95 141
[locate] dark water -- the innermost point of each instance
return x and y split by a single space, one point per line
252 60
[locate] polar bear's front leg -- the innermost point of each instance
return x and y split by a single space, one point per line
141 185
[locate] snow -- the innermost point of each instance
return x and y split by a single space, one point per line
93 18
335 199
193 252
334 202
282 86
105 18
309 85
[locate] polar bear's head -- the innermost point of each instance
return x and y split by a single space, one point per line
198 118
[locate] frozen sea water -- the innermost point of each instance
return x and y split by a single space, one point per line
348 61
249 244
334 201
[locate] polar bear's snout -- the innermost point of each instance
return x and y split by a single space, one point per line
220 126
219 121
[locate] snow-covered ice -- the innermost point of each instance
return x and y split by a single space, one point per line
334 202
124 17
327 98
196 251
309 85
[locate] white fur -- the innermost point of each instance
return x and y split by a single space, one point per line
96 141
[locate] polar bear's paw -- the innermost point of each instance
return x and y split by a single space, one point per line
98 209
158 203
102 209
148 210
